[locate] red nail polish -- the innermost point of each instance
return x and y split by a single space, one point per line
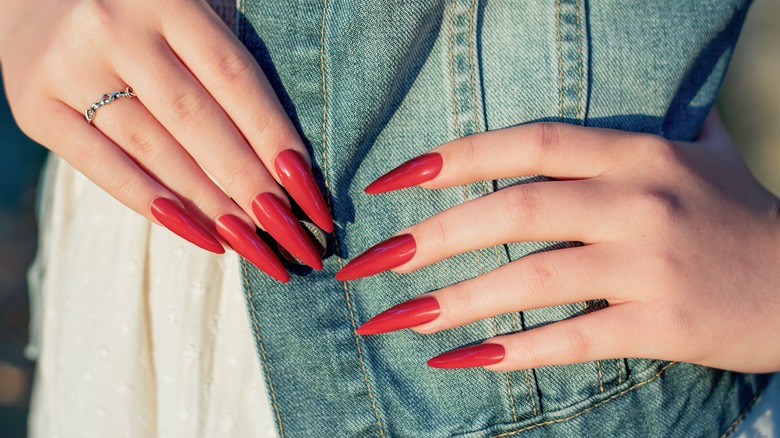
244 240
413 172
282 225
409 314
469 357
177 220
393 252
297 178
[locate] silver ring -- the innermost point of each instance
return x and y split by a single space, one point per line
105 100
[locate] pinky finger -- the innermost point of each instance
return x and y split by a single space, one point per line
103 162
608 333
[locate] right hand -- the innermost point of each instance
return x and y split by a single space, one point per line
203 105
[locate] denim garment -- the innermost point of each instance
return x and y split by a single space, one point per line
373 83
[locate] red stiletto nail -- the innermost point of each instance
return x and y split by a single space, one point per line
469 357
405 315
177 220
393 252
297 178
244 240
413 172
282 225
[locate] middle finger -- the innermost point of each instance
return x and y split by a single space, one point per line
540 280
203 128
552 210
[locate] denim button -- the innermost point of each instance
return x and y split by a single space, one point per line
318 237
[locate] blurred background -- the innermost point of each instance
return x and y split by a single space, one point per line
749 104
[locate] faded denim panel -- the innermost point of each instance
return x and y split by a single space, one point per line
371 84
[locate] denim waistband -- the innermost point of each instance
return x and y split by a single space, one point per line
370 84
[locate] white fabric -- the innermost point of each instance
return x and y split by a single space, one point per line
137 332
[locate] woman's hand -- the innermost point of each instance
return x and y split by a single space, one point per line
678 237
203 108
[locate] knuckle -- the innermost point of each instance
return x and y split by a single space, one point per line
125 189
580 343
93 15
659 205
541 275
663 152
462 300
469 150
235 174
203 199
229 67
546 137
142 145
439 233
520 205
186 106
266 132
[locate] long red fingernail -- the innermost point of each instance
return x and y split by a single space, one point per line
413 172
282 225
244 240
297 178
469 357
409 314
177 220
393 252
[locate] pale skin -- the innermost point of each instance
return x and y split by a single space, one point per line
203 102
679 237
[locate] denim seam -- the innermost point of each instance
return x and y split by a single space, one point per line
458 133
260 342
527 375
240 30
590 408
330 202
579 60
560 59
580 79
452 76
478 129
598 362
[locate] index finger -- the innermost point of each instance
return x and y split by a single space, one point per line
231 75
556 150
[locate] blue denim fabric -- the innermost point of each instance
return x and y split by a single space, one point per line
371 84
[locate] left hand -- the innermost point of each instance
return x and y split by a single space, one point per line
679 238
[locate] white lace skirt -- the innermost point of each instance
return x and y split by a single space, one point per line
137 333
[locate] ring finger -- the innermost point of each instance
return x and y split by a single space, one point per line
192 116
540 280
555 210
129 125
